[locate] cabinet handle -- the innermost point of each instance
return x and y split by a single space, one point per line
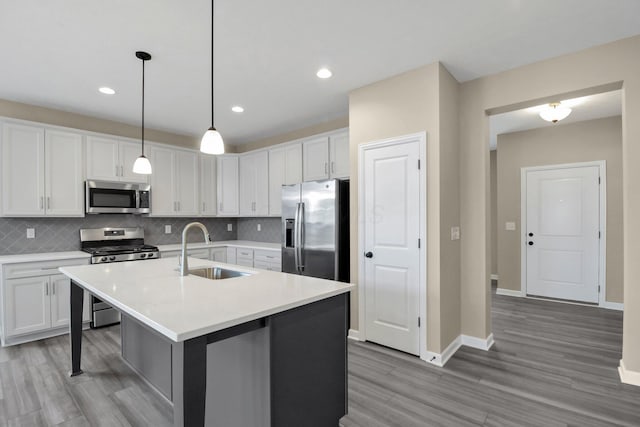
220 206
48 202
53 288
46 288
121 170
41 202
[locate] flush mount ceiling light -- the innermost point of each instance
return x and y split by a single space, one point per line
106 90
212 142
237 109
142 164
555 112
324 73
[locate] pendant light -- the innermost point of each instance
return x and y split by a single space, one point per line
555 112
211 142
142 164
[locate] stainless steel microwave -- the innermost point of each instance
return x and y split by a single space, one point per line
117 197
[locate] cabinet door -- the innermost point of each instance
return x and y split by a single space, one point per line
163 202
219 254
293 164
129 152
231 255
102 159
208 189
22 170
227 183
339 155
187 183
315 159
261 184
276 179
27 305
64 178
247 187
59 285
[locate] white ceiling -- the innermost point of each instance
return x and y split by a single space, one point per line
57 53
591 107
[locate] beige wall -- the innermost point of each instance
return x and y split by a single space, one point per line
493 188
424 99
545 81
564 143
340 123
50 116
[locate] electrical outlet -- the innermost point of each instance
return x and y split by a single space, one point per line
167 229
510 226
259 227
31 233
229 227
455 233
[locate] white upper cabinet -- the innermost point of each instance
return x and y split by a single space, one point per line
111 159
285 168
326 156
254 184
42 172
227 184
339 155
174 182
208 189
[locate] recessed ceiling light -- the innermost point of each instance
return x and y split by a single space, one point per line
107 90
324 73
237 109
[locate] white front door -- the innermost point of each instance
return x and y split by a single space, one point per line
562 233
391 214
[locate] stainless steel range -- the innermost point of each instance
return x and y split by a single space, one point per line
113 245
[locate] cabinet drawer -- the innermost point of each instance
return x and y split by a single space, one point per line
267 256
40 268
194 253
243 253
246 262
271 266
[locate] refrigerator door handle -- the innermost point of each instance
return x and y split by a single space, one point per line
300 245
296 221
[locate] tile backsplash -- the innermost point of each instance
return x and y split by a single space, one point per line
62 234
269 229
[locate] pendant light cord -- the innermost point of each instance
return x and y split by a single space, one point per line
143 61
212 79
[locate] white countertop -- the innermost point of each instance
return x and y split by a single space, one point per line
44 256
181 308
222 243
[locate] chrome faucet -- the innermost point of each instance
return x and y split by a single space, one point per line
184 265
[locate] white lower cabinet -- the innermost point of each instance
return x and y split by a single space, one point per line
219 254
35 301
244 256
231 255
267 260
201 253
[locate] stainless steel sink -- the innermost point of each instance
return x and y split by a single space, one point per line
217 273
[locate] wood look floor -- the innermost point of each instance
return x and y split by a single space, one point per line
552 365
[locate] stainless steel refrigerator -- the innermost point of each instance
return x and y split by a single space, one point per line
315 229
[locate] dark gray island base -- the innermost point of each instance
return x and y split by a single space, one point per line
307 364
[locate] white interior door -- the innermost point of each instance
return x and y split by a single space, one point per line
562 233
391 215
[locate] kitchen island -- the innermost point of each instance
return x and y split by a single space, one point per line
301 324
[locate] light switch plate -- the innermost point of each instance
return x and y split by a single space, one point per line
31 233
455 233
510 226
167 229
229 227
259 227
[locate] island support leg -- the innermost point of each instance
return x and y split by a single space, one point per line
75 327
189 382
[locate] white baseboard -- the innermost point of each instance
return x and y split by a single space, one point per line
509 292
494 277
354 334
439 359
612 305
628 377
479 343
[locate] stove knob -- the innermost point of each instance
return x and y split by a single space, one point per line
112 258
143 255
103 259
149 255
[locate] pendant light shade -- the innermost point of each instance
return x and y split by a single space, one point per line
555 112
212 142
142 164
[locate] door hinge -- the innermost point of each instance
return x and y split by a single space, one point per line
418 163
599 180
599 235
418 322
598 288
418 243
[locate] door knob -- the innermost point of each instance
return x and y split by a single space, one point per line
530 243
530 234
369 254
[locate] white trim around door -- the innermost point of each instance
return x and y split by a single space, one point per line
602 272
421 138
